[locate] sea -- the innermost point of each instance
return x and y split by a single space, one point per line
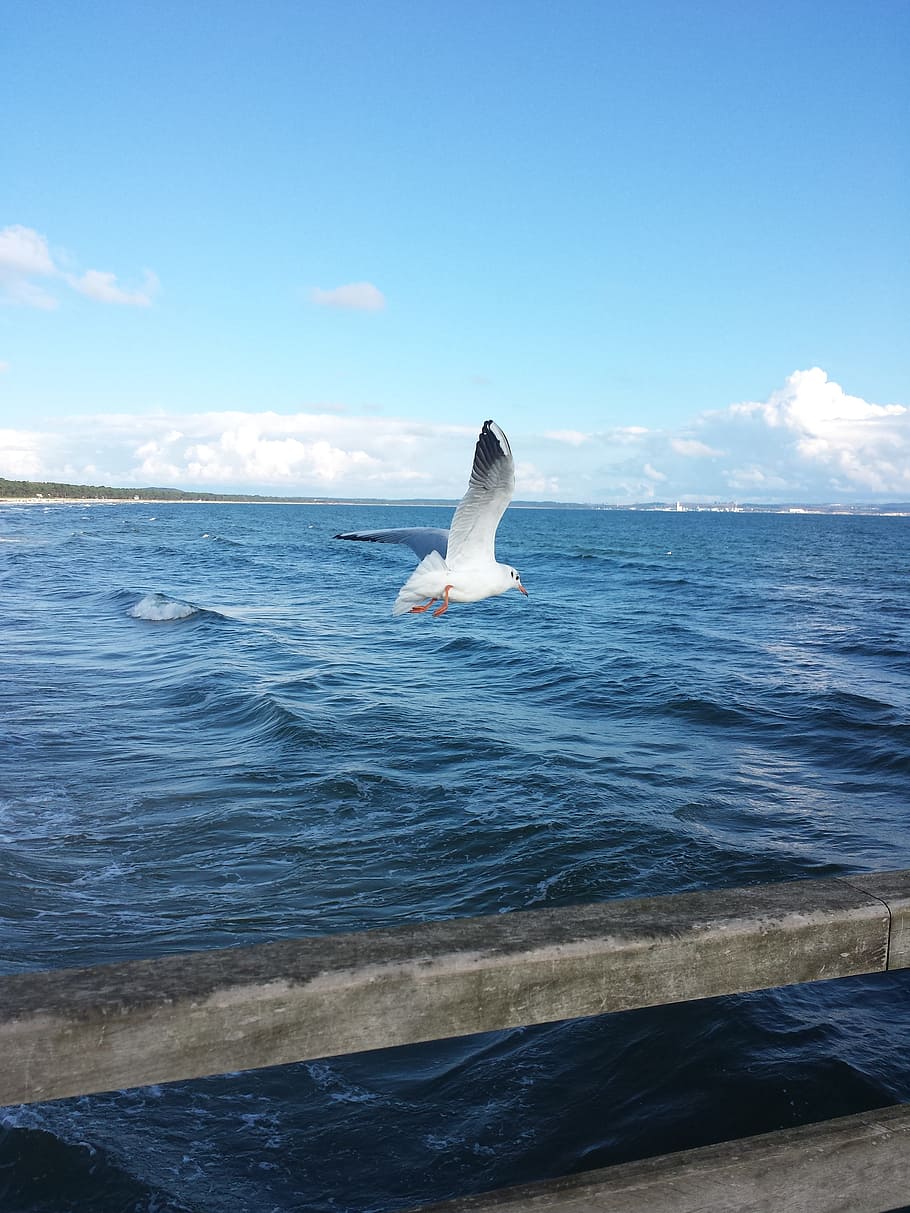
214 733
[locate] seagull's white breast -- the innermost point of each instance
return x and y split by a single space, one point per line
471 583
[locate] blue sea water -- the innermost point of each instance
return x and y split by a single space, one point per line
215 733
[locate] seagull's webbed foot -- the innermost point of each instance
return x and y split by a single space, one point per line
445 602
426 606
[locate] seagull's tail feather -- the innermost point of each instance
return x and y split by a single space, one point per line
427 581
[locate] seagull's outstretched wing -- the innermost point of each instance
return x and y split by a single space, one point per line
472 536
420 539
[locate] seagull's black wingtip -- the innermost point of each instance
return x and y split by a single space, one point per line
492 445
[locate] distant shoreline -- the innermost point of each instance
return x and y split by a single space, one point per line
837 511
242 501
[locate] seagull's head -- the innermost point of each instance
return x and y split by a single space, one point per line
516 581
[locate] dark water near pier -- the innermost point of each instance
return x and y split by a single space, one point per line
215 733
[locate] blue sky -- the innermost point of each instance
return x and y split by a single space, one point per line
309 247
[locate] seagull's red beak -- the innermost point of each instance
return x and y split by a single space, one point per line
523 590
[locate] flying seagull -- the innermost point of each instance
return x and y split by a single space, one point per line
460 565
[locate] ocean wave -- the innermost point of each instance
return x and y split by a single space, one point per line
262 716
702 710
76 1167
159 608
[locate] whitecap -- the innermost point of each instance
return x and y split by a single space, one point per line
158 607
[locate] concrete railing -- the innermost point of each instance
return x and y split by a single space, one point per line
855 1164
77 1031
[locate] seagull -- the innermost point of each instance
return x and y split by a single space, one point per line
460 565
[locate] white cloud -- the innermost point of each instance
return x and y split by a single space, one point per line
571 437
530 481
4 366
755 479
822 433
24 256
691 447
24 251
23 454
810 401
308 453
355 296
626 435
258 451
102 286
28 270
809 441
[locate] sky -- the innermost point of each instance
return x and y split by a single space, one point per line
309 247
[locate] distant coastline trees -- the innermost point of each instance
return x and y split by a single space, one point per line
50 488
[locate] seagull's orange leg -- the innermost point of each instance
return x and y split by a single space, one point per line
445 602
426 606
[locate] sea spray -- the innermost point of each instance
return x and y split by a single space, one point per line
158 608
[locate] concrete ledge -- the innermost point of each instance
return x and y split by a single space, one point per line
72 1032
893 889
856 1164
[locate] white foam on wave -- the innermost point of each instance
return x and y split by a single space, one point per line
159 607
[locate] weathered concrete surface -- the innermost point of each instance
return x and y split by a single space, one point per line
77 1031
893 888
856 1164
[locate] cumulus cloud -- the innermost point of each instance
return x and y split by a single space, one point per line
809 441
653 474
24 251
692 448
308 453
355 296
810 401
530 481
245 452
820 431
24 454
753 479
29 273
25 257
628 435
571 437
248 448
102 286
